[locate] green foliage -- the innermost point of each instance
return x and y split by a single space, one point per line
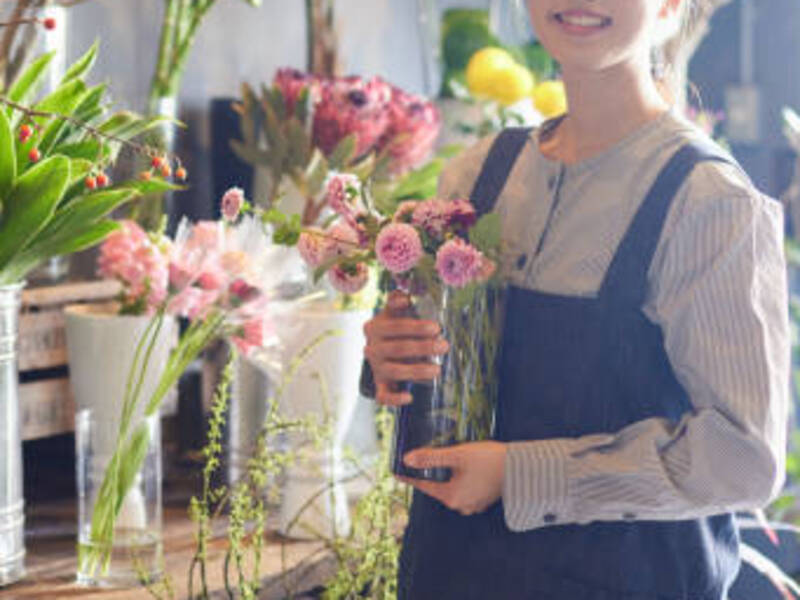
44 208
485 234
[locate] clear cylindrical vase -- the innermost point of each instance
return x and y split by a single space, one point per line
135 556
459 405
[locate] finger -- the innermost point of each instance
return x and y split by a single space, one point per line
418 372
406 348
388 397
431 458
440 491
393 327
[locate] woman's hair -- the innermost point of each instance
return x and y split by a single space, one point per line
672 36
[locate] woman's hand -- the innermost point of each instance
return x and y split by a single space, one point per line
477 481
399 348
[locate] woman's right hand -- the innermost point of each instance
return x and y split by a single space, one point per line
399 348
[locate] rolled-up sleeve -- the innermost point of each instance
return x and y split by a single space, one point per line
719 293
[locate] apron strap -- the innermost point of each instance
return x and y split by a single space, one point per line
626 278
497 167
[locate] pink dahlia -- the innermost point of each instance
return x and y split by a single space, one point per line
398 247
414 126
343 239
348 279
232 203
291 84
405 211
431 215
458 263
348 106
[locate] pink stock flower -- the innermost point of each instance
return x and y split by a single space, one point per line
291 84
132 258
414 126
348 106
232 203
398 247
347 279
458 263
431 215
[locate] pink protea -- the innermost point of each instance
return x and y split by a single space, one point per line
232 203
398 247
315 247
348 106
458 263
132 258
348 279
431 215
291 84
414 126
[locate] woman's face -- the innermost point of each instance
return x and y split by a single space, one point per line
597 34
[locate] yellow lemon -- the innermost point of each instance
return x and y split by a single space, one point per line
511 84
482 68
550 99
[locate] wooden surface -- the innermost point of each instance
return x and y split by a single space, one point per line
50 542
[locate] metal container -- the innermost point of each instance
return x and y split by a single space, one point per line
12 530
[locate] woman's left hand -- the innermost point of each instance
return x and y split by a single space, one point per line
477 474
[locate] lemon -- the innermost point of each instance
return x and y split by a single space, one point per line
483 67
550 98
511 84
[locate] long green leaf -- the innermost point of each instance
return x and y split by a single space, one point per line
82 66
27 84
82 211
343 153
31 203
82 240
8 158
65 104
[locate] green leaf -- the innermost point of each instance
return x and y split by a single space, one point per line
299 145
79 168
485 234
156 185
31 204
419 184
87 149
87 109
27 84
343 153
82 66
316 172
63 101
81 212
8 158
250 154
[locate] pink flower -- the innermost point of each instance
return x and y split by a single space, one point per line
348 279
414 126
291 84
206 235
212 280
348 106
460 214
488 268
243 292
405 211
342 193
344 239
431 215
192 302
232 203
251 336
315 247
458 263
179 277
398 247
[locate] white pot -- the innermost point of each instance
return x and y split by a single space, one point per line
326 380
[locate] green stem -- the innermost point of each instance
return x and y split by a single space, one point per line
161 73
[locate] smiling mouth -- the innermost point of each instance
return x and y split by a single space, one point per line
582 19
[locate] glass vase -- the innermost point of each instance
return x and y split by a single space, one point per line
135 556
459 405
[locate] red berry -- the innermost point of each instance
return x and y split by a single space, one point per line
49 23
25 132
157 162
90 182
166 171
34 155
181 173
102 180
145 175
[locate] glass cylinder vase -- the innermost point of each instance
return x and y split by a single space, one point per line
135 556
459 405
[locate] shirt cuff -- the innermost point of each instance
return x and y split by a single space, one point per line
535 486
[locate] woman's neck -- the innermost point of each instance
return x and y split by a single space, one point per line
604 107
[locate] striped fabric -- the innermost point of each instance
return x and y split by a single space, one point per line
718 292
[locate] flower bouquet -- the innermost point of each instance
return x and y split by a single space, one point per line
444 257
213 274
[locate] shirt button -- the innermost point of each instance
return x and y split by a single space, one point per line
521 260
550 518
629 517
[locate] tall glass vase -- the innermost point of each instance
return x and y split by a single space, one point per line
136 554
12 534
459 405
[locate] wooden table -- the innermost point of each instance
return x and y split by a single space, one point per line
51 561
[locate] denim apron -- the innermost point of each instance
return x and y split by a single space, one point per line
569 367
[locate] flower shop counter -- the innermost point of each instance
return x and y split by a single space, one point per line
51 558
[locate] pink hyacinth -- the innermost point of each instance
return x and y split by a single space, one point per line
431 215
414 126
398 247
291 84
458 263
232 203
131 257
348 106
348 280
315 247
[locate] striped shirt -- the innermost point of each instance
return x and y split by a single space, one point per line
716 288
